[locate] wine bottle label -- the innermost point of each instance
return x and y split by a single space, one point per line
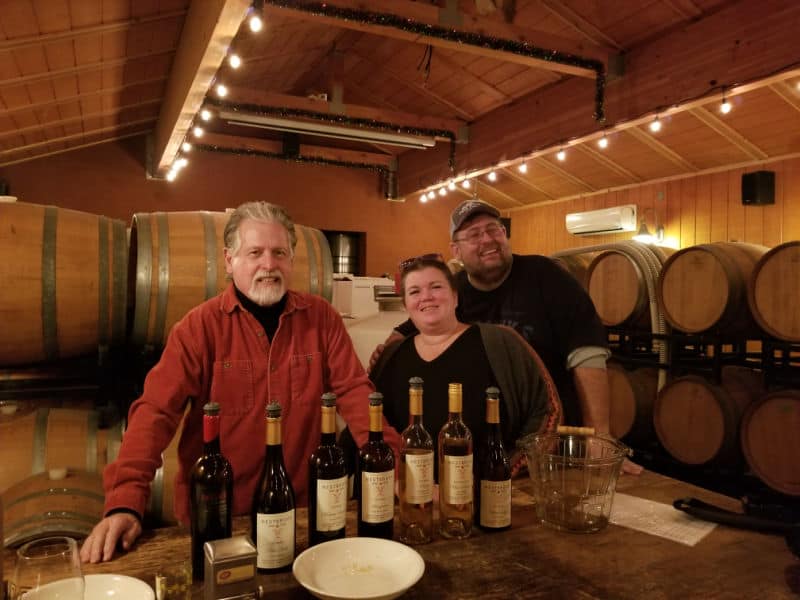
495 503
457 479
275 543
419 478
377 499
331 503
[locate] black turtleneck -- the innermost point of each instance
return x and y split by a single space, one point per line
267 315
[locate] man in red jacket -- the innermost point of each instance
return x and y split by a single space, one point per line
257 342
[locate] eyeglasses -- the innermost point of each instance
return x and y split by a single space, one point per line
493 230
406 264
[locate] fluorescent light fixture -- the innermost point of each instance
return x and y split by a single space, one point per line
325 130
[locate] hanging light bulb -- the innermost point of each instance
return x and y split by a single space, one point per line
603 142
561 155
492 176
173 173
234 61
222 91
186 146
466 184
205 114
423 198
197 131
181 163
255 22
523 167
655 125
451 186
443 191
431 195
725 107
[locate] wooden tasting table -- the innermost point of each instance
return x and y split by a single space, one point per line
534 561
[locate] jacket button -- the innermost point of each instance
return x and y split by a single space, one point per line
227 365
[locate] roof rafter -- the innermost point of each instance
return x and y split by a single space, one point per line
660 148
729 133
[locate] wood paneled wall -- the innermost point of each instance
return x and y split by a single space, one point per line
109 179
694 210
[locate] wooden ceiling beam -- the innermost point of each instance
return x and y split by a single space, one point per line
77 70
79 119
76 147
660 148
34 41
419 89
208 31
239 95
34 106
451 66
686 9
569 17
511 174
493 190
73 136
787 93
435 16
728 133
607 162
309 151
563 174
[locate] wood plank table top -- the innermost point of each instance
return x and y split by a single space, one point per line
532 560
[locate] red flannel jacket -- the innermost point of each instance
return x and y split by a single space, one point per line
219 352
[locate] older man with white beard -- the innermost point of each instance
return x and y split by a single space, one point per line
257 342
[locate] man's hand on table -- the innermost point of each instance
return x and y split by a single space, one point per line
102 541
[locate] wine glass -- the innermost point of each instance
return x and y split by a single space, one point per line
48 568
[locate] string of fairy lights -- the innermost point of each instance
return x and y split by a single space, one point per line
218 91
560 151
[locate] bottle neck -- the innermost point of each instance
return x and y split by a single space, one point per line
210 434
273 433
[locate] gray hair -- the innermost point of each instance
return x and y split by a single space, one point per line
258 211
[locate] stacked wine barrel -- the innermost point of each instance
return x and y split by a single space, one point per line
82 285
727 291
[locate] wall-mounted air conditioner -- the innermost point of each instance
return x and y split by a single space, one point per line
605 220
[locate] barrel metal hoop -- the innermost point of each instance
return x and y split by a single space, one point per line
119 281
313 277
162 219
56 491
210 239
144 277
40 440
102 281
49 322
154 505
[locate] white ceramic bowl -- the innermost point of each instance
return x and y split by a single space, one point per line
97 587
358 568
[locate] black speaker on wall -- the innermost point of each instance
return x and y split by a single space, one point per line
758 188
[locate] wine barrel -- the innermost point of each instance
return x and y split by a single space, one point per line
770 440
774 290
176 263
697 421
704 288
67 272
632 395
34 440
618 288
576 265
41 506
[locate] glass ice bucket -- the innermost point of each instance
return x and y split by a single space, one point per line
574 474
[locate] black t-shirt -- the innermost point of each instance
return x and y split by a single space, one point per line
544 304
464 362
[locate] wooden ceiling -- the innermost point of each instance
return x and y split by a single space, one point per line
75 73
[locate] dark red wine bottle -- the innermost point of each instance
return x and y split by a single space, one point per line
376 474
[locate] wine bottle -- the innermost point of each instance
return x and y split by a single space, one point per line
272 519
211 483
327 481
456 487
376 469
493 472
416 473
